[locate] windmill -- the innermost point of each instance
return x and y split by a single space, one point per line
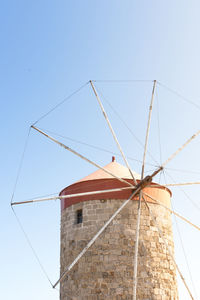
134 187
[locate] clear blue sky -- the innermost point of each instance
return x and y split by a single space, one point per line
49 49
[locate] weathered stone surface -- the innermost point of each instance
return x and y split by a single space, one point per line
106 270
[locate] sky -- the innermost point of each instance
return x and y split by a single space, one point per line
49 49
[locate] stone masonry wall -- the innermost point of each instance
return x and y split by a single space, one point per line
106 270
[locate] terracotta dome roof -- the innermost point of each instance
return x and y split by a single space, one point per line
113 167
101 181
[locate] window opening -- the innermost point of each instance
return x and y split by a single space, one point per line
79 216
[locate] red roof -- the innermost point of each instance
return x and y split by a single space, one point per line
100 180
114 168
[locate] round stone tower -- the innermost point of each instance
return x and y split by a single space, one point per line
106 269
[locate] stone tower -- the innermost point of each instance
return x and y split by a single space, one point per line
106 269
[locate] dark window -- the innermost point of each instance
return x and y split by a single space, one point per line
79 216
